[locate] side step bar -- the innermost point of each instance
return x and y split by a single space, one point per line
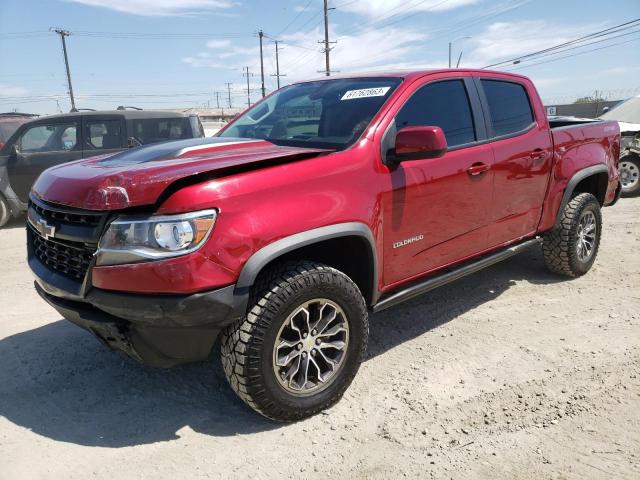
431 283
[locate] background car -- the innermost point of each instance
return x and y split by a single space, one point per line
48 141
627 114
9 123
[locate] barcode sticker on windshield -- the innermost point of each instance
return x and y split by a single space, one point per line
365 93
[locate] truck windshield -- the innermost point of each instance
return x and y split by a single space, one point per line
323 114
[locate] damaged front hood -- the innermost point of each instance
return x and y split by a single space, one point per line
139 176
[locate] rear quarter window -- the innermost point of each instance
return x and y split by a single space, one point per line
509 107
153 130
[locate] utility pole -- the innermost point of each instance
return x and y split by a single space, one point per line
63 34
277 75
218 99
260 35
451 43
326 39
247 74
228 84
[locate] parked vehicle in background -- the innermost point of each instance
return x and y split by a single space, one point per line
324 201
52 140
9 123
627 114
211 128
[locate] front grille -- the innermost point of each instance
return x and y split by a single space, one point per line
64 239
71 259
71 218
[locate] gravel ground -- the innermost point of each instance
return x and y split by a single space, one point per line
509 373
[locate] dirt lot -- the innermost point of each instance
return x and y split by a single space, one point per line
510 373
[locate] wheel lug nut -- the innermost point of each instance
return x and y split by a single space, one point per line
304 335
304 354
313 352
299 347
314 333
318 341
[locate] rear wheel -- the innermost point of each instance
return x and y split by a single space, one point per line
629 167
301 343
5 211
571 247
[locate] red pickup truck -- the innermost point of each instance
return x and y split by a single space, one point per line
325 201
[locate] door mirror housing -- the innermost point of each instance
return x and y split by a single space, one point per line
416 143
15 150
133 142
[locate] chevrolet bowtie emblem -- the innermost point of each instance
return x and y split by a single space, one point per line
46 230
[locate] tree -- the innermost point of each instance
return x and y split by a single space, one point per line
595 98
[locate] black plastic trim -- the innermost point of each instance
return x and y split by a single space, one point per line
158 344
577 178
267 254
431 283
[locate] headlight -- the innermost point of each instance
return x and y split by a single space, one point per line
132 239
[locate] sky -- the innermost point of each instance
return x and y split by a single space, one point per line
182 53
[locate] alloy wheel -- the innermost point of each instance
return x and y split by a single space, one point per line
310 347
586 236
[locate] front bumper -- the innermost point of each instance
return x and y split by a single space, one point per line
157 330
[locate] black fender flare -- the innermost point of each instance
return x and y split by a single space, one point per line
272 251
574 181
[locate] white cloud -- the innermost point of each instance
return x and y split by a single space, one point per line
215 44
506 40
389 8
152 8
12 91
300 58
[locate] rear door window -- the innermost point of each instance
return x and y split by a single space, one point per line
509 107
104 134
49 138
441 104
153 130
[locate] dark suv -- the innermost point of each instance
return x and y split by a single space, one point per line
48 141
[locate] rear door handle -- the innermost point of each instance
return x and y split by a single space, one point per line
537 154
477 168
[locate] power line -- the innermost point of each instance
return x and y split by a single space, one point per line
304 9
600 33
574 55
163 35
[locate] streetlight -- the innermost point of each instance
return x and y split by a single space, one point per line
451 43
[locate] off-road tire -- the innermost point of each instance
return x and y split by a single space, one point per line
247 345
559 246
5 211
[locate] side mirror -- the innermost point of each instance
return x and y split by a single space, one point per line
15 150
133 142
415 143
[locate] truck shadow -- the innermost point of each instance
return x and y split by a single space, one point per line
392 327
60 383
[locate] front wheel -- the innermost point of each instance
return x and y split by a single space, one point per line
571 247
5 211
629 167
300 345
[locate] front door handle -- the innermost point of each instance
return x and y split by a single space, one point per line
477 168
537 154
